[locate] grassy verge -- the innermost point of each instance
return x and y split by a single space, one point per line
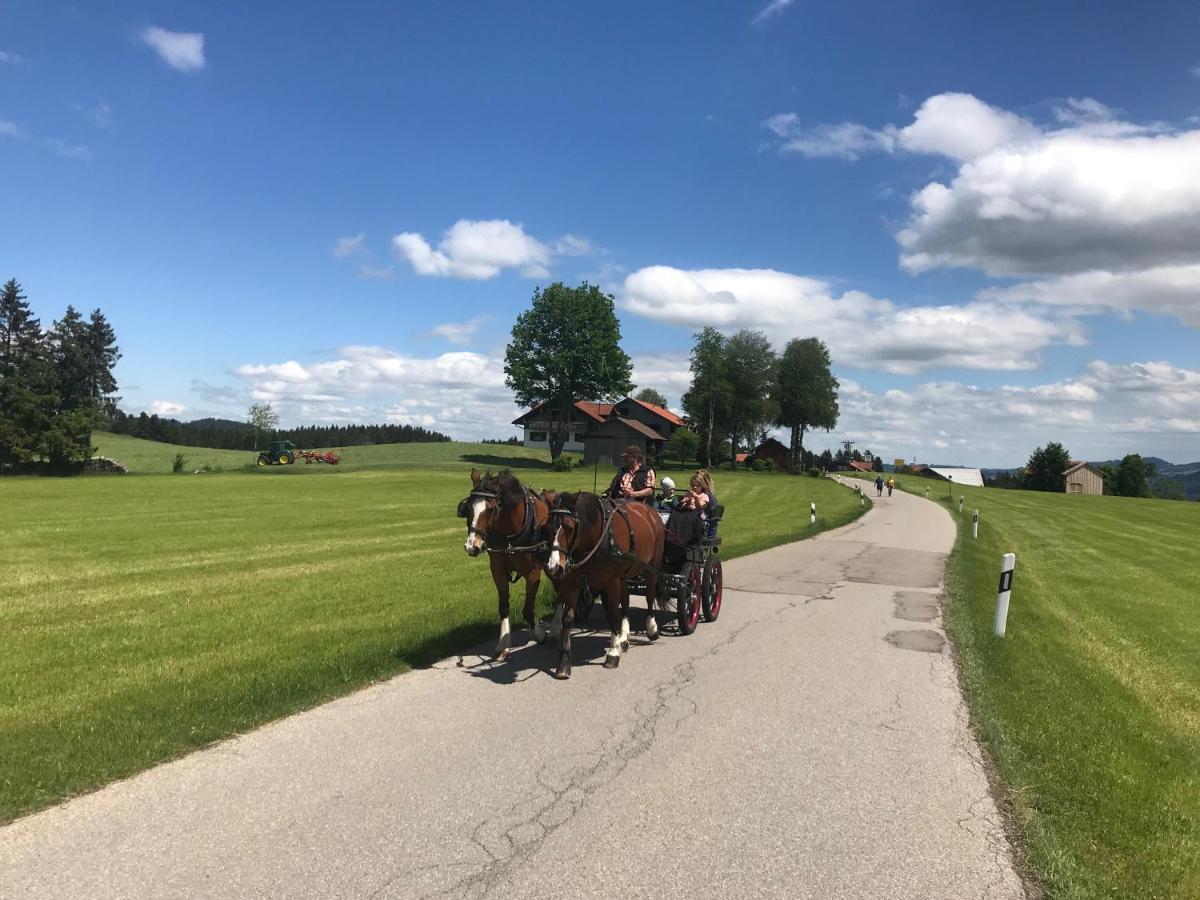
145 617
1090 706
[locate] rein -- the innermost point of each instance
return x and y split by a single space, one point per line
606 511
528 530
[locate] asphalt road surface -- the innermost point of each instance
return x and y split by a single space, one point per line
813 742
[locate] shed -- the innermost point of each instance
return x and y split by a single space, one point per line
860 466
1084 478
606 442
773 450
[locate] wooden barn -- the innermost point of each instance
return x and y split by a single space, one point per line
1084 478
773 450
606 443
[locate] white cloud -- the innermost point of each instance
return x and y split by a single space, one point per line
772 9
860 330
459 393
1088 192
573 245
182 51
459 333
1165 290
10 58
476 250
100 115
166 408
844 140
377 273
1104 412
8 128
349 246
67 150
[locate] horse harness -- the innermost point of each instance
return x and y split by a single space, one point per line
513 543
608 508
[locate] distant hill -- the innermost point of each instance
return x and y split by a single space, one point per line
218 424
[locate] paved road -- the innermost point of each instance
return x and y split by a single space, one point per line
811 743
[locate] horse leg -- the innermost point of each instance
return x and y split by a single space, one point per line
624 618
612 602
543 632
563 672
500 577
533 580
651 602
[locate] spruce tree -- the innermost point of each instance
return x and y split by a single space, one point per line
25 379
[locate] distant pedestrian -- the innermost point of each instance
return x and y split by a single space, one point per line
878 485
891 483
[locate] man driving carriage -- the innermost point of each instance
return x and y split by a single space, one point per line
634 481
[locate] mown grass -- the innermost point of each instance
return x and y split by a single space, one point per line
1090 706
143 617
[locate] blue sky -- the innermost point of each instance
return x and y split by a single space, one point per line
990 212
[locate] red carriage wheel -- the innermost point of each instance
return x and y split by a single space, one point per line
713 585
687 604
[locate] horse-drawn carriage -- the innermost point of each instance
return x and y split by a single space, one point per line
691 581
597 547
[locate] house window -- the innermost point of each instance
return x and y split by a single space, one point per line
537 435
1074 488
579 437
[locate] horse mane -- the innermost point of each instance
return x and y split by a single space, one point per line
587 508
509 489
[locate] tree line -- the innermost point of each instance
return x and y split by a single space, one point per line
227 434
1132 477
740 388
56 383
566 347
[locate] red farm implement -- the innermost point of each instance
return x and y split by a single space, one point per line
318 456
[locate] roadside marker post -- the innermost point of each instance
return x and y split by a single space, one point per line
960 503
1005 592
975 524
812 513
926 493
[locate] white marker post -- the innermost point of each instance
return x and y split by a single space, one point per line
1006 578
862 501
812 513
927 493
975 524
960 503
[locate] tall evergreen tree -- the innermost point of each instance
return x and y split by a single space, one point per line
103 354
69 437
1046 469
25 374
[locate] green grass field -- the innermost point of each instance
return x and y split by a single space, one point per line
144 617
1090 706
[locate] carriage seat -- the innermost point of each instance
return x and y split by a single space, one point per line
714 519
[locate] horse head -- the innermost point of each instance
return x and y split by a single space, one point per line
564 527
479 509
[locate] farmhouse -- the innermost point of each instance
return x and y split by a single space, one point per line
601 431
1084 478
858 466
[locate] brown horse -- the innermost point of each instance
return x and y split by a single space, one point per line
510 522
604 542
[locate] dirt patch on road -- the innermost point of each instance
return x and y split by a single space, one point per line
924 640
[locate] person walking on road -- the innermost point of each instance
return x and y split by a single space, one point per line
878 485
891 483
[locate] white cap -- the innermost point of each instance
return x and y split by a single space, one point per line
668 483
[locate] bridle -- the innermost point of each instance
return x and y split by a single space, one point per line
528 528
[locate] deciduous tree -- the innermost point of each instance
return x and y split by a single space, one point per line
263 419
750 365
650 395
566 347
805 392
1134 476
707 400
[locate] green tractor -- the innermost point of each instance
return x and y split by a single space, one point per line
280 453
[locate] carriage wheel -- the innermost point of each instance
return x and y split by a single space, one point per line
690 593
713 585
583 605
